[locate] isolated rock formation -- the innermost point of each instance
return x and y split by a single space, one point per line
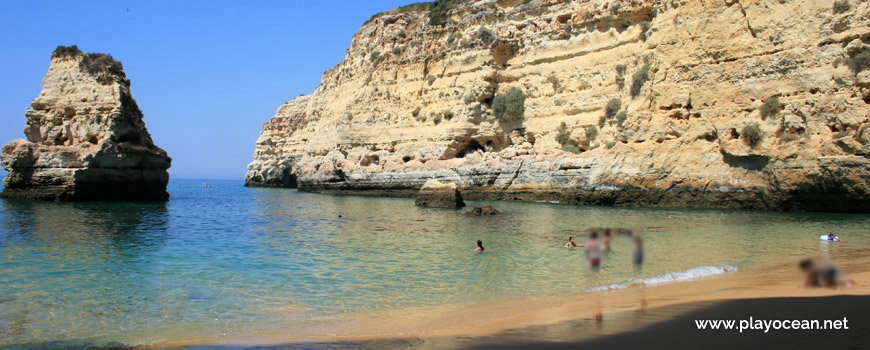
481 211
744 104
85 137
438 195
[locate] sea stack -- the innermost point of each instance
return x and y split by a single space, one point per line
757 105
86 140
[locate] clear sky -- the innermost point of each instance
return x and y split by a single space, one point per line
207 74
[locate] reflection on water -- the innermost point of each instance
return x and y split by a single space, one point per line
230 259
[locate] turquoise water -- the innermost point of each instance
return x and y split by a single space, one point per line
236 260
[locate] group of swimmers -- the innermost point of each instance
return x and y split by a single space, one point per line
597 244
816 273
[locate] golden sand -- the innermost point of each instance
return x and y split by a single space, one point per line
487 318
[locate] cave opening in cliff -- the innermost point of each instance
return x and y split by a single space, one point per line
472 147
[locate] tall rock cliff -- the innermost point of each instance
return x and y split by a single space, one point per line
85 137
735 103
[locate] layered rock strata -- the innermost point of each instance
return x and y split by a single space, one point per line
86 139
733 104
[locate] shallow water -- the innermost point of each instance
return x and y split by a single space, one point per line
235 260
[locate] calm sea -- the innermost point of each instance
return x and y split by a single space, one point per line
234 260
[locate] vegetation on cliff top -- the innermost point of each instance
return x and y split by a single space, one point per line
66 51
437 10
101 66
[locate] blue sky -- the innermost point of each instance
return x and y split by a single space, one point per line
207 74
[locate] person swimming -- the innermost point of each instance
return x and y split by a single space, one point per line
479 246
830 237
570 243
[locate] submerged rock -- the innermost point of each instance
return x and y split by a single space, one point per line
85 137
484 210
438 195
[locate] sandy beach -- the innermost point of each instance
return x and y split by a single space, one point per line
628 317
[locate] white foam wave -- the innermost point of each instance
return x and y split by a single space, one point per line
670 277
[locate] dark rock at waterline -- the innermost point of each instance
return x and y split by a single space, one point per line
438 195
480 211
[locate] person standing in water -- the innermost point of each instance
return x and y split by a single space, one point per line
479 246
605 241
638 247
593 250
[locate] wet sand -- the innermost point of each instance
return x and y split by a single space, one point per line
635 317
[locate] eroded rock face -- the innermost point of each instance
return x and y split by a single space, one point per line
438 195
686 80
85 137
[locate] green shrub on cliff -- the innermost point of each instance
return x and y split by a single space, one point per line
436 118
66 51
621 117
591 132
841 6
751 134
859 62
419 6
486 35
438 11
103 67
448 115
620 76
557 85
770 107
498 105
612 108
640 77
563 135
453 37
515 103
512 104
416 112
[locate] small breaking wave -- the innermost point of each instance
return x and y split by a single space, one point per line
670 277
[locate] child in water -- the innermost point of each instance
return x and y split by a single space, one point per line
479 246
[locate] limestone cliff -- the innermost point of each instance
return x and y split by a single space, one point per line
85 137
749 104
